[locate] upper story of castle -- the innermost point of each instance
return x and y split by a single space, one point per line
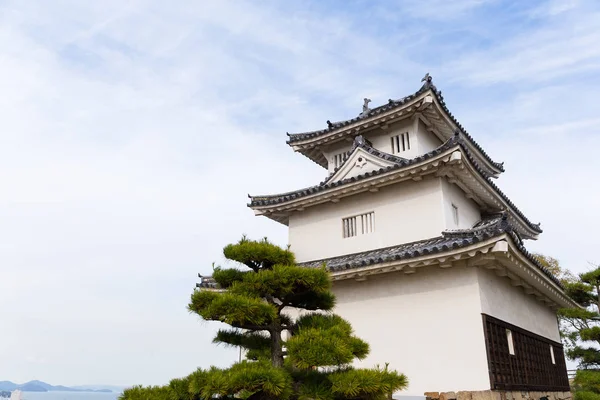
407 167
406 128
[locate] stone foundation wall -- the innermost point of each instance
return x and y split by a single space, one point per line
498 395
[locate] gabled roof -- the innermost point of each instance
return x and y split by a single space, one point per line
372 114
360 144
456 142
491 227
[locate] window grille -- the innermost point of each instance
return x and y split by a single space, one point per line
400 143
531 367
338 159
358 224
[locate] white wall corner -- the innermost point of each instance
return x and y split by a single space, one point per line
500 247
455 157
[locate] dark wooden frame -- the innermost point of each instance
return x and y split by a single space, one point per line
531 368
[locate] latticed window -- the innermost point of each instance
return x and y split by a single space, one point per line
521 360
400 143
338 159
359 224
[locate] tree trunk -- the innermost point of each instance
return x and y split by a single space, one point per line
276 347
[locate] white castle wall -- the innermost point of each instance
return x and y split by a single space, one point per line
509 303
427 325
468 212
403 213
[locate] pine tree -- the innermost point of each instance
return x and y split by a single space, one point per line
302 358
580 327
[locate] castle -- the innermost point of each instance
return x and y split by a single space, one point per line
426 252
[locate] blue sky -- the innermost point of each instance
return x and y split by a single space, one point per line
131 133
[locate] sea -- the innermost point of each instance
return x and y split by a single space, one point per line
69 396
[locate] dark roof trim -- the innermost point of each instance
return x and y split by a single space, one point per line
393 104
456 140
450 240
489 228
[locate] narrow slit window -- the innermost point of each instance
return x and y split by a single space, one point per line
552 355
338 159
400 143
511 343
455 214
358 225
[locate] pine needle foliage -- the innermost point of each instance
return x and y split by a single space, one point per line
302 358
581 325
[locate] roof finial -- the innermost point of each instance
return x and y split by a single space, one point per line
329 124
366 105
428 81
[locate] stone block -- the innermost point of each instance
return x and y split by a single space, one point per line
464 395
482 395
432 395
517 395
447 396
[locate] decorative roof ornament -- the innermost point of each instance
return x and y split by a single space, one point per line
366 104
428 79
329 124
359 140
366 108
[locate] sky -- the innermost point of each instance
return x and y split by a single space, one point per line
131 133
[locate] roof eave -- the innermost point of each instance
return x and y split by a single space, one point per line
379 178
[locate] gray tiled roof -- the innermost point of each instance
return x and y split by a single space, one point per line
450 240
490 227
456 140
393 104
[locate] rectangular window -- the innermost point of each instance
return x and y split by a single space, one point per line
511 343
455 214
338 159
359 224
552 355
400 143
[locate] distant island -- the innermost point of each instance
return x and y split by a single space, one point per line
39 386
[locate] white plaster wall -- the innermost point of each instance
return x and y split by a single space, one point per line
335 148
468 212
381 140
404 212
508 303
421 141
427 141
427 325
